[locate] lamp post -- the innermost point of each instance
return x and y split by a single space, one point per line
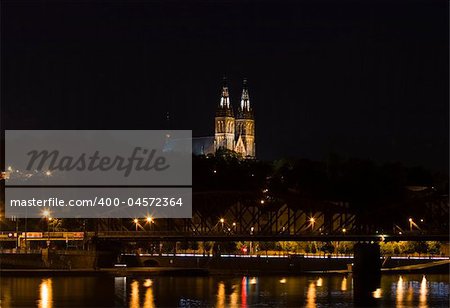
26 232
136 222
222 222
17 233
47 217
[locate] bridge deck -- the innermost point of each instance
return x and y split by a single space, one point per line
143 235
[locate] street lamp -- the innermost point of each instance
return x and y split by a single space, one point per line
46 213
149 221
136 222
410 224
312 221
344 230
222 221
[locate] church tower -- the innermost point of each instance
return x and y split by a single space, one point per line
224 121
245 126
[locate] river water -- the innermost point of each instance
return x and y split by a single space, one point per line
219 291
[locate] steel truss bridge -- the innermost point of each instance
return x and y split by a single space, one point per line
238 216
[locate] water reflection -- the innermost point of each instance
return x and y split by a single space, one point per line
400 291
311 296
244 291
120 289
410 295
221 295
134 297
344 284
413 288
234 299
308 291
45 294
149 299
423 293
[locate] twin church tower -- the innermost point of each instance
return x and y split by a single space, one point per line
236 133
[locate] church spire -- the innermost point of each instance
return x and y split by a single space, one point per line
245 98
224 108
225 98
245 110
245 126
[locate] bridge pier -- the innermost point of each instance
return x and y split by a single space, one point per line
366 273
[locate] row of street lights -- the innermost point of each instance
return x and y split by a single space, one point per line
312 221
149 220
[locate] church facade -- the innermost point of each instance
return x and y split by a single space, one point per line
235 131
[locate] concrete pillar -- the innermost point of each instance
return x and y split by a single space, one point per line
366 273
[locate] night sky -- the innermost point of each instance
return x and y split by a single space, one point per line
366 79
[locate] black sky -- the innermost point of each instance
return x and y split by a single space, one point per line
365 79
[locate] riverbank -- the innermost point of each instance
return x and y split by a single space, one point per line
129 264
296 264
158 271
436 267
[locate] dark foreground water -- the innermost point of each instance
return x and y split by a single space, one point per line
244 291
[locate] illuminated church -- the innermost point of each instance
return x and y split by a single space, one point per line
234 131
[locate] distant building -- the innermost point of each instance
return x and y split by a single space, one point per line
235 133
